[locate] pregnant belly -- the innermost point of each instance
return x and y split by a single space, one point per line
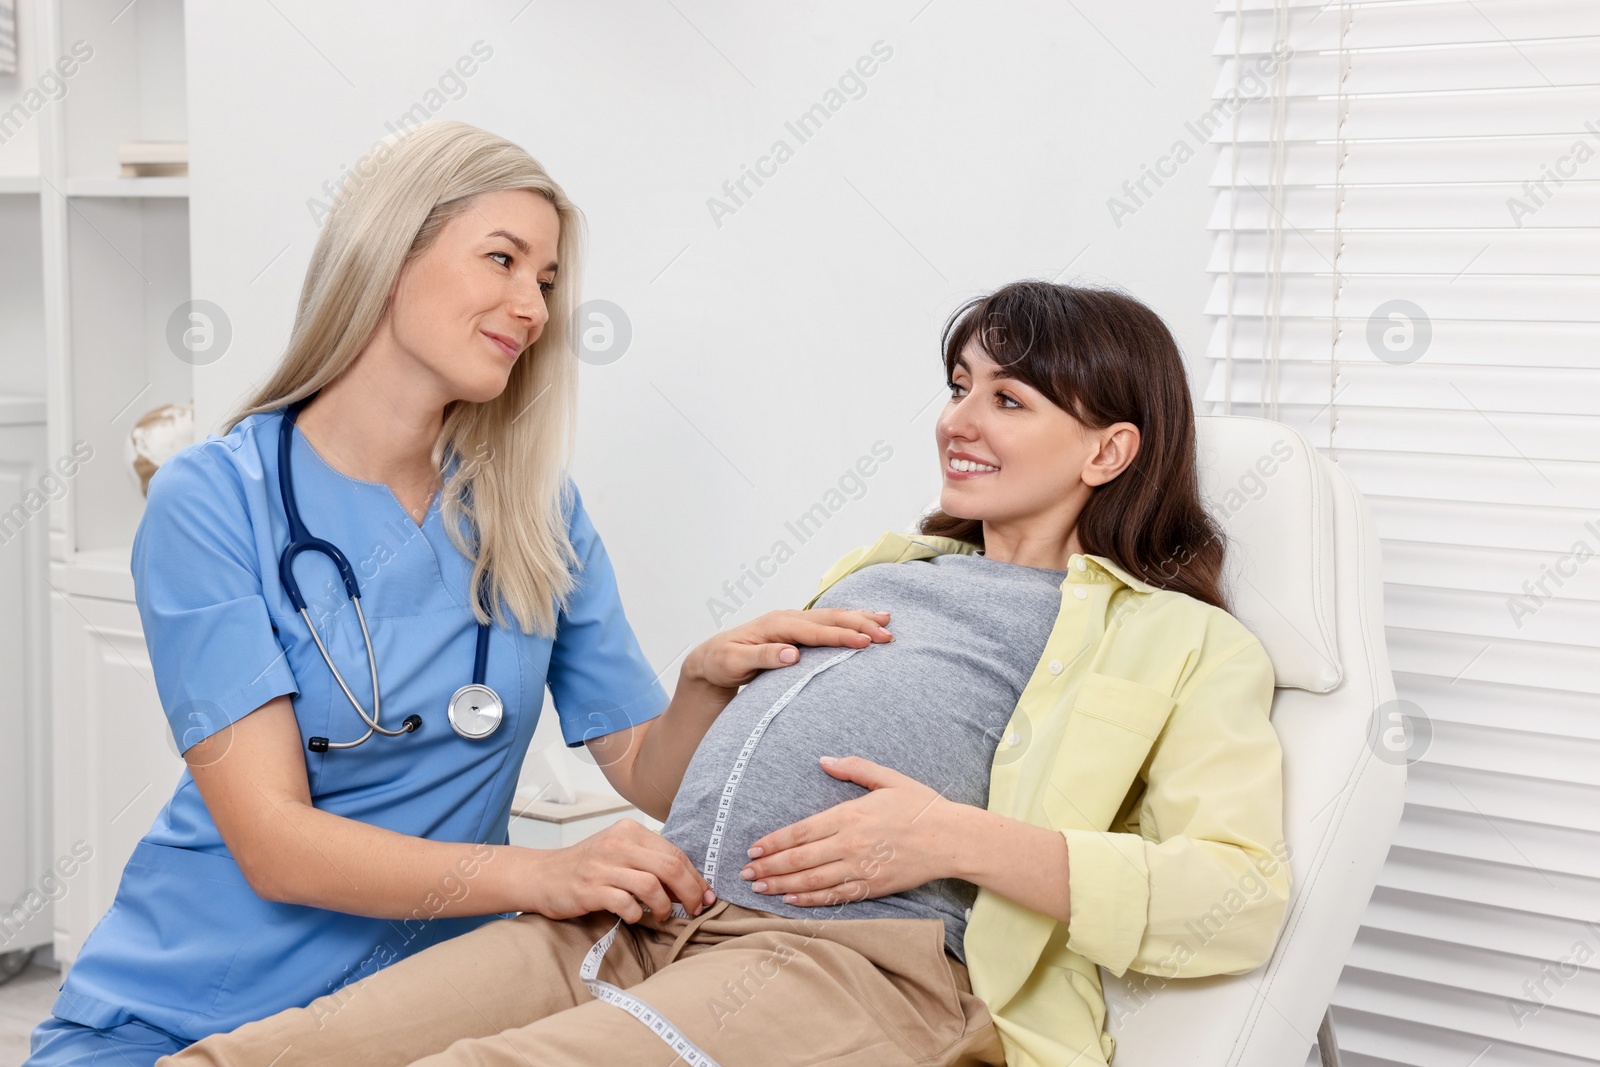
730 775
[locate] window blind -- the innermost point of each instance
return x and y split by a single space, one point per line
1407 269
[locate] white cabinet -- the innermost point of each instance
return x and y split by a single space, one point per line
115 762
27 897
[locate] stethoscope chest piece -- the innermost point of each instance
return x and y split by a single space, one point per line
475 711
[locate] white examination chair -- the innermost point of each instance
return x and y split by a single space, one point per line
1304 575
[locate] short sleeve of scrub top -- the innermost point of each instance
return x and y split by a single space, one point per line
213 648
599 679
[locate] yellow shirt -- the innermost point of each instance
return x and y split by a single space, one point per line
1143 737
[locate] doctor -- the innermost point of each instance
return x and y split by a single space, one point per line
354 601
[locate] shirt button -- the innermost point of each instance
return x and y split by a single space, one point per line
969 915
1080 592
1055 666
1081 564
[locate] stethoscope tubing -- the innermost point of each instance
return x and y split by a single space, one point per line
301 540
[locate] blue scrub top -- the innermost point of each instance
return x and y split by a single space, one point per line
187 946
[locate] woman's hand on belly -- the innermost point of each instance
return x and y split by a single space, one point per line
904 834
732 658
653 755
896 837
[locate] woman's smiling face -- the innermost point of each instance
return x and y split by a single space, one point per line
468 307
1011 455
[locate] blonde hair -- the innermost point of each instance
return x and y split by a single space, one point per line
510 478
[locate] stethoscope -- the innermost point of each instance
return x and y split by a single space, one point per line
475 711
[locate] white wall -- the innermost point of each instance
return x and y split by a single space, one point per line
772 351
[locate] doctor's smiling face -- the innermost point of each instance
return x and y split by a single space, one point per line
466 308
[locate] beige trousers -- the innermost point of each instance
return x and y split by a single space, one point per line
744 986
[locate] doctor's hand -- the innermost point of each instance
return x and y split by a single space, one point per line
622 869
900 835
734 657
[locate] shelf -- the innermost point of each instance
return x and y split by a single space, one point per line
132 90
19 183
105 573
589 805
117 257
21 410
132 255
541 824
126 187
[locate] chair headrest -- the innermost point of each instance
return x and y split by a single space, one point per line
1267 488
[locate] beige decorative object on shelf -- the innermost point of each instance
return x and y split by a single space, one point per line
155 437
154 159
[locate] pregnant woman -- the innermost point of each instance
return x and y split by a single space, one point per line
923 849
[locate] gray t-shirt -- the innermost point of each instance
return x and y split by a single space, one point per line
931 704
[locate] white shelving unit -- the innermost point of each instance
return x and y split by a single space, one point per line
95 266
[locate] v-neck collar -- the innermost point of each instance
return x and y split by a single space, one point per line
433 500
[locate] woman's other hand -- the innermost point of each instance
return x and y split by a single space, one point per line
732 658
622 869
900 835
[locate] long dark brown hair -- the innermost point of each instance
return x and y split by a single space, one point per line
1103 357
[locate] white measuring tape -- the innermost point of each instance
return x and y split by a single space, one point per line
691 1053
714 846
